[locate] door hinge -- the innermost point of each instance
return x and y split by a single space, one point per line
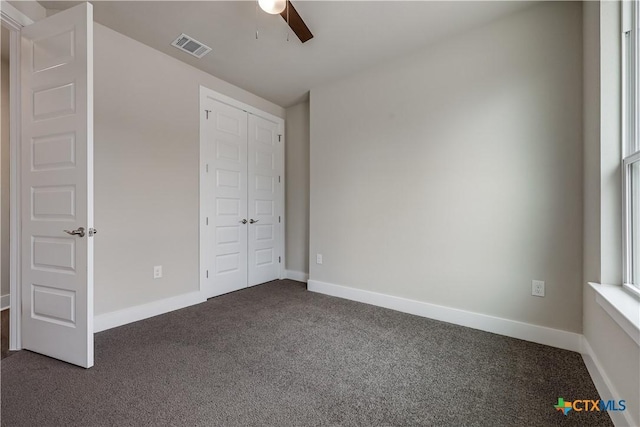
279 259
279 178
279 219
279 138
207 112
207 274
207 220
207 167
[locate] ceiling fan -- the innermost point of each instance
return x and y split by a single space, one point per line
289 13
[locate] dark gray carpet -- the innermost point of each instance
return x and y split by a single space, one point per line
277 355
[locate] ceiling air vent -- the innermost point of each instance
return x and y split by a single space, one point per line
191 46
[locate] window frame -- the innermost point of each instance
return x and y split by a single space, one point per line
630 134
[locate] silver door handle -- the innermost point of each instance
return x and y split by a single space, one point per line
244 221
253 221
78 232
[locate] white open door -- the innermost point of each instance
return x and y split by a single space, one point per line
57 186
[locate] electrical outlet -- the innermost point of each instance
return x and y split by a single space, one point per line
157 271
318 258
537 288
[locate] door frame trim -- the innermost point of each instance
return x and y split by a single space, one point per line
14 20
210 93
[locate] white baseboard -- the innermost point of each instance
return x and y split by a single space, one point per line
5 302
511 328
603 384
105 321
296 275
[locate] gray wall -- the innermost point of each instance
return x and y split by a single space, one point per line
617 354
454 176
146 170
297 183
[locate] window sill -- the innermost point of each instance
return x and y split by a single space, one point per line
622 306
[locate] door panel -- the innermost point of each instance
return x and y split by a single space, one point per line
263 195
226 144
57 186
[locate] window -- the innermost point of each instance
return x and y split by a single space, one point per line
631 146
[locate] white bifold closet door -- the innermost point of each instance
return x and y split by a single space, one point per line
242 213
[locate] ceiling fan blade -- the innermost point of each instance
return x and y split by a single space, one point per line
296 23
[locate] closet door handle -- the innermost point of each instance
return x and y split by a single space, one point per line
244 221
253 221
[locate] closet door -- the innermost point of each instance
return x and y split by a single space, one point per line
227 198
263 195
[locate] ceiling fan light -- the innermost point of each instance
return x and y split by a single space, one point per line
274 7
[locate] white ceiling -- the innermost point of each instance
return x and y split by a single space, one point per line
348 36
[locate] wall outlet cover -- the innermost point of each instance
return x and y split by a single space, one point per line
157 271
537 288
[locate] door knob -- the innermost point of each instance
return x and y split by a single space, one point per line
244 221
78 232
253 221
